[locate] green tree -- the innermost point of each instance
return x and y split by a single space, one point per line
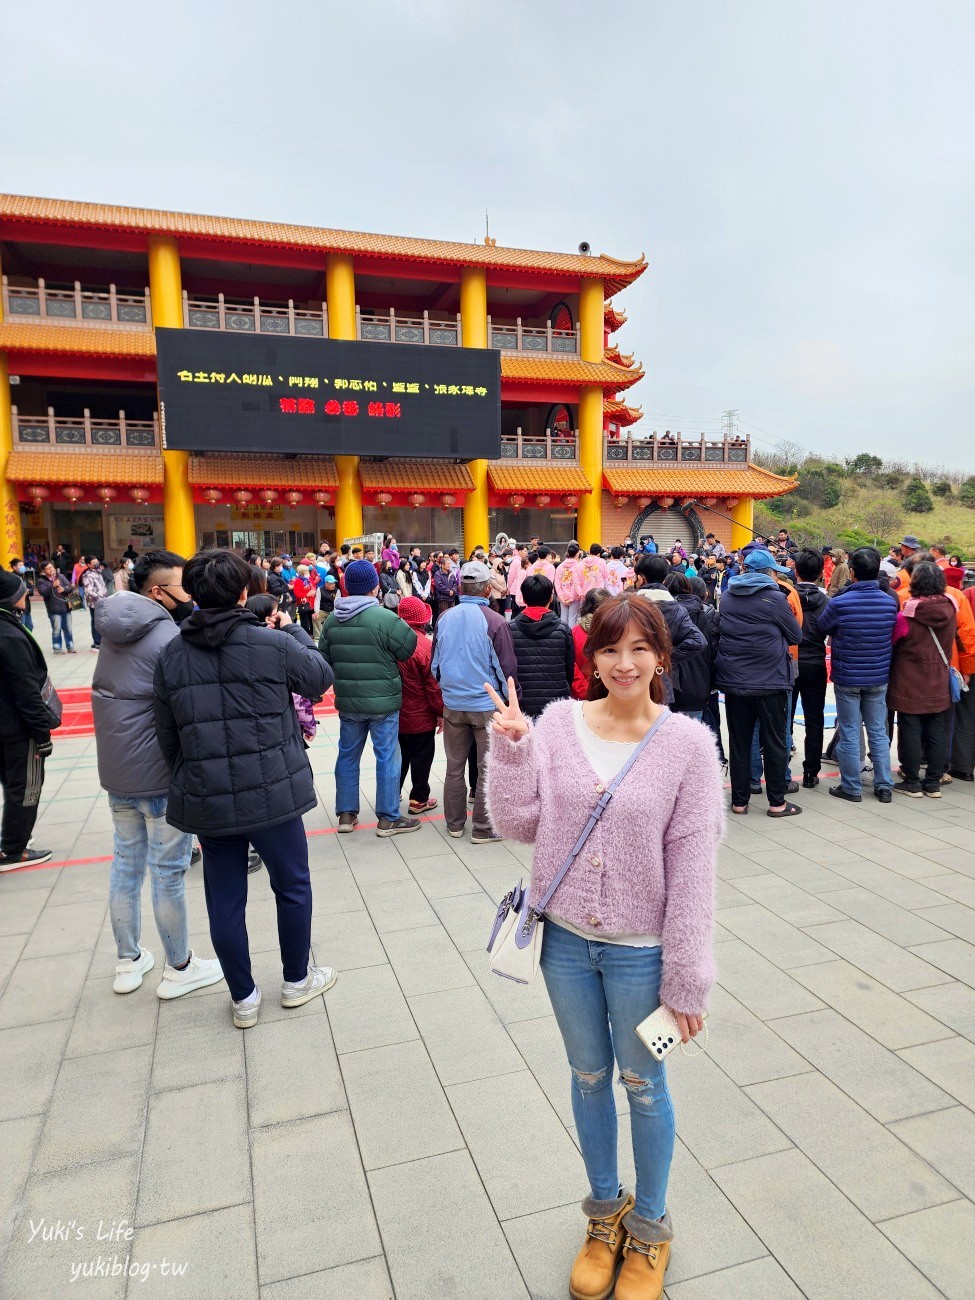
864 464
917 499
966 493
819 487
941 489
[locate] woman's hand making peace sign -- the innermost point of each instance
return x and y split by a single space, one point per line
508 719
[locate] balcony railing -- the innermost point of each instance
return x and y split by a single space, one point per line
76 306
630 448
550 445
50 430
524 338
254 317
390 327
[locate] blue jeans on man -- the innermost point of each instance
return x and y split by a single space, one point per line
869 705
144 840
354 730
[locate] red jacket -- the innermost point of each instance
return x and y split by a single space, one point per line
422 705
580 676
304 592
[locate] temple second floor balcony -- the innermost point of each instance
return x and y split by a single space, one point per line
54 430
254 317
553 445
639 449
76 306
540 340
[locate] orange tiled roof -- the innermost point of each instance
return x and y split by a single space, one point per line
749 482
416 475
533 369
613 319
82 340
67 212
216 470
538 478
619 358
620 413
108 467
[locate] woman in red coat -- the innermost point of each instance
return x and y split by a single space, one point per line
421 712
580 677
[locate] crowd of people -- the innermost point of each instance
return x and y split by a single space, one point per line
545 674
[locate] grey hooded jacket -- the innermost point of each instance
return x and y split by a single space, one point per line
135 630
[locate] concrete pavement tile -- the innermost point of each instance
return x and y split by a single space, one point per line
374 861
367 1009
959 888
426 961
215 1250
746 1049
874 1077
710 1233
830 1252
950 1064
726 895
397 905
31 1057
879 1174
811 876
87 883
89 1199
398 1105
877 956
468 918
464 1037
884 917
941 1242
764 989
46 988
760 1279
346 941
11 946
323 1231
957 859
952 955
419 1207
540 1043
780 942
180 1168
787 901
545 1244
80 1127
18 1138
511 1001
516 1184
886 1016
335 891
953 1004
496 880
956 918
71 809
887 884
292 1071
106 1021
22 908
717 1122
946 1140
902 861
366 1279
442 875
732 864
196 1041
61 930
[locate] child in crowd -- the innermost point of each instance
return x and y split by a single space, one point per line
421 712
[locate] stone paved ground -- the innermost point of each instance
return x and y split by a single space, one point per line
411 1133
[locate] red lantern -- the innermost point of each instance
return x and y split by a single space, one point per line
213 495
243 496
666 503
571 500
643 502
709 501
731 502
73 493
447 499
517 501
323 498
140 494
542 500
39 493
270 495
416 499
294 498
107 494
620 502
383 498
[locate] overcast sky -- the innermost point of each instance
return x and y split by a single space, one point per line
799 173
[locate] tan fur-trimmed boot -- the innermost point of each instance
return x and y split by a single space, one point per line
594 1272
645 1256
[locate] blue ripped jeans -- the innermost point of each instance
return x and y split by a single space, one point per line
600 992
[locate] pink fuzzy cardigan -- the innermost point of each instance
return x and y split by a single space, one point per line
649 865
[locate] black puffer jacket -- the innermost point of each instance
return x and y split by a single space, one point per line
226 722
546 659
696 672
812 647
23 671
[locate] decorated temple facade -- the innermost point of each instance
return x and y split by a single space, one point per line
82 455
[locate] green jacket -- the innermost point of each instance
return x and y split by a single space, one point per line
364 643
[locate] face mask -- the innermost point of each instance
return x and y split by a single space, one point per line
181 610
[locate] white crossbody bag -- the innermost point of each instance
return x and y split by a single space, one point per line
515 945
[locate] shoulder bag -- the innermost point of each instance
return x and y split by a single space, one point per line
515 944
956 683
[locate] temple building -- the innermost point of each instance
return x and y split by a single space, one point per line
83 460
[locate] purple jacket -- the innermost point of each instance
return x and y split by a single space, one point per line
655 847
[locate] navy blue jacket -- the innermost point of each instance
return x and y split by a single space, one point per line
859 620
754 628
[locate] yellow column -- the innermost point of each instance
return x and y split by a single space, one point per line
12 539
340 297
590 525
743 517
166 292
473 324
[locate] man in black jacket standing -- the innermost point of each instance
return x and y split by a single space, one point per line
227 727
25 728
811 682
543 647
651 572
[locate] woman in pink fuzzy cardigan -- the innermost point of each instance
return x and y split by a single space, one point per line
630 926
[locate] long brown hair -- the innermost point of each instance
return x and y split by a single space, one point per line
609 626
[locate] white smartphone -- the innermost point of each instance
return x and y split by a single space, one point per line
660 1033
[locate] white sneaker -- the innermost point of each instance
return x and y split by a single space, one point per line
318 980
197 975
128 973
245 1012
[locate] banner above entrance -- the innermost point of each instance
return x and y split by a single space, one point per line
235 392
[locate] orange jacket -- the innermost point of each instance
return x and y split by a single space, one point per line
795 604
963 653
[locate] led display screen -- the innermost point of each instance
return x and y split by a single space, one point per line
266 393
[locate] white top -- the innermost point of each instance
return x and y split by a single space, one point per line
607 758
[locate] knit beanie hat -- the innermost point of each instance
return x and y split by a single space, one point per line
12 587
414 611
361 578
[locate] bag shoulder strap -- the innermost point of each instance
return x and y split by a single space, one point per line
597 812
944 657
